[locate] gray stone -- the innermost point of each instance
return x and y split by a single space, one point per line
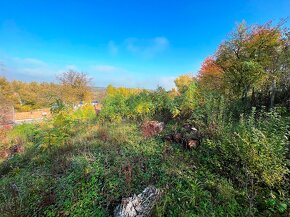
140 205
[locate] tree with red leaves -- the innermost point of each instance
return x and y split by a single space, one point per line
211 75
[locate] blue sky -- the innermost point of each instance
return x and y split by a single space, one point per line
134 43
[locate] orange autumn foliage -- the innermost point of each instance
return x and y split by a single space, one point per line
210 75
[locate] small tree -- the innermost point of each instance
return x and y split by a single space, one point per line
75 86
182 82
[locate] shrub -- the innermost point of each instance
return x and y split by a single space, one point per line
138 107
251 153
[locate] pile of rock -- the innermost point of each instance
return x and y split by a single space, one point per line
152 128
189 137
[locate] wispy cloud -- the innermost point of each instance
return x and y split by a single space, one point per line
167 82
106 69
109 74
147 48
34 72
27 69
29 61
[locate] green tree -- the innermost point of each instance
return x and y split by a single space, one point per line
255 58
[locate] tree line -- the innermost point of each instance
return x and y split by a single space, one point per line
71 87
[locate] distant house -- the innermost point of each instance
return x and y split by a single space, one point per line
81 104
7 116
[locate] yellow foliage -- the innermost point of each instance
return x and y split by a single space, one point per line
143 108
182 82
111 90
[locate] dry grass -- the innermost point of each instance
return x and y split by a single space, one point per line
36 114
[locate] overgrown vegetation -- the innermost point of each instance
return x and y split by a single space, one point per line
82 164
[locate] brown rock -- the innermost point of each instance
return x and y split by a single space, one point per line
152 128
168 138
177 137
192 144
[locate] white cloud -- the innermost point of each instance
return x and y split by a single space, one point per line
147 48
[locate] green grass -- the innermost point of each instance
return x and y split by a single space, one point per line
95 166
